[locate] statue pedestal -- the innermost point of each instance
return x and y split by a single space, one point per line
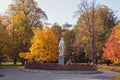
61 60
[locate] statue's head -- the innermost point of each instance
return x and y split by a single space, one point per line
61 38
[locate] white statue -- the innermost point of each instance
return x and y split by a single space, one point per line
61 47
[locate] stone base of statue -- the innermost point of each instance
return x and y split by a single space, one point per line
61 60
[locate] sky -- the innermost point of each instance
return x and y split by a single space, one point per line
62 11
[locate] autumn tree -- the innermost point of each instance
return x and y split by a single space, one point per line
25 56
29 8
88 15
3 38
69 37
94 21
105 21
112 46
1 33
45 46
20 35
24 16
57 30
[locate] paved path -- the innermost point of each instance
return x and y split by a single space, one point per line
17 74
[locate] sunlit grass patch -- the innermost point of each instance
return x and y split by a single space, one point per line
109 68
116 77
10 65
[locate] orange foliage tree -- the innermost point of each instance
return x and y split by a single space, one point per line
112 46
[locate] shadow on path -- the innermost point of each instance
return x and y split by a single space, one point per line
101 77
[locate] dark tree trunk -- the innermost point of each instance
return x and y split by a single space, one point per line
0 61
108 62
23 61
15 61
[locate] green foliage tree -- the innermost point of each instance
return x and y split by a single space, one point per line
106 20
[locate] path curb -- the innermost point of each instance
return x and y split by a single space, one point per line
60 72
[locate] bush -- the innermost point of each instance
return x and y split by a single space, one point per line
55 66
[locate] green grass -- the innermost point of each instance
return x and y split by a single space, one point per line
10 65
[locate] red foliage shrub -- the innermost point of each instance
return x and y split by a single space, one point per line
55 66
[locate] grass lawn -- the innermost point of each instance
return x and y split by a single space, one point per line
10 65
117 77
115 68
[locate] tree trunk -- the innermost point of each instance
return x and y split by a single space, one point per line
0 61
22 61
15 61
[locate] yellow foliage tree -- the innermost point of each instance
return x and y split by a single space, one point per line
25 55
45 46
22 55
20 34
